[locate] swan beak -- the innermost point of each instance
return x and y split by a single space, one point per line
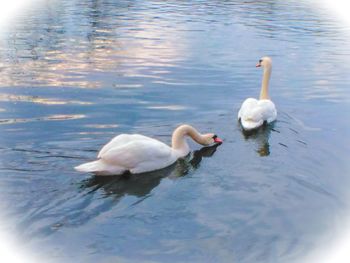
218 140
258 65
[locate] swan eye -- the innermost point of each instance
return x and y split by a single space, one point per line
260 60
215 136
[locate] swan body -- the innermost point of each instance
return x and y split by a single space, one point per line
254 113
136 153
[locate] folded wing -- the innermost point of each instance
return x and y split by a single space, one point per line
135 153
254 112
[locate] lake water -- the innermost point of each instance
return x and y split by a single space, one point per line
76 73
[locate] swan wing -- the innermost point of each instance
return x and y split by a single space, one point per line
249 114
268 110
135 153
120 140
247 107
254 112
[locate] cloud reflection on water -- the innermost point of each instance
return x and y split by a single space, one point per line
51 53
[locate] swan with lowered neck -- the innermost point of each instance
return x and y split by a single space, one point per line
136 153
254 113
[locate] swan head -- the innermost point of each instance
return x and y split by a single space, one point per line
265 62
210 139
181 132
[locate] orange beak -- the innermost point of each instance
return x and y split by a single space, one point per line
218 140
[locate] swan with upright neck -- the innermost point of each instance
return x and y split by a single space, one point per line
254 113
136 153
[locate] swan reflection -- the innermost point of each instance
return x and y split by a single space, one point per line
140 185
261 138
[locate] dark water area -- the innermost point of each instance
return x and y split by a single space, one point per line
73 74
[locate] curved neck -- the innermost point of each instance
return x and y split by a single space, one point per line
179 142
264 92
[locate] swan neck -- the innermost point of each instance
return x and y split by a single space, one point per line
179 142
264 93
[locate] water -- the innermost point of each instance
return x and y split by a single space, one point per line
76 73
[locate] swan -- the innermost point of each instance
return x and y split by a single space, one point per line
254 113
137 153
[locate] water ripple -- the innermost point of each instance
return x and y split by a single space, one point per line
56 117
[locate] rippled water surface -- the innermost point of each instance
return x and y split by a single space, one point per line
76 73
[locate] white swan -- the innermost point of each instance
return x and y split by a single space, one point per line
136 153
253 112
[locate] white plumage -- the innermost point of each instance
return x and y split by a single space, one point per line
253 113
136 153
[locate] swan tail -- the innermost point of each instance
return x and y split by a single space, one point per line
249 124
99 167
89 167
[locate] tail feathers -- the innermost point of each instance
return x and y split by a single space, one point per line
99 167
250 124
89 167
